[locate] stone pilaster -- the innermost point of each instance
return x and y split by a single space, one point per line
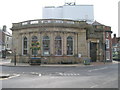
97 53
75 44
52 44
65 44
82 44
20 44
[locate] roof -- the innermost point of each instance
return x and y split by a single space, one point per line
97 23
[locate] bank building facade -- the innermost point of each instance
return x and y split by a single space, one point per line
59 40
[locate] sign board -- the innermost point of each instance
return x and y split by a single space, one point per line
79 55
46 53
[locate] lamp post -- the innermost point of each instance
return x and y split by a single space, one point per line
104 53
15 57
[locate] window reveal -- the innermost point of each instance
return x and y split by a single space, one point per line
46 45
58 45
34 51
69 45
25 45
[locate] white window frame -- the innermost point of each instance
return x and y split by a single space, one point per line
61 46
107 43
73 46
43 48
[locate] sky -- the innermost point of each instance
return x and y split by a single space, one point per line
14 11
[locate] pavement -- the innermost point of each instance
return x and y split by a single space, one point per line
7 62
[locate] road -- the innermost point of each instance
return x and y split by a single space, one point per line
102 76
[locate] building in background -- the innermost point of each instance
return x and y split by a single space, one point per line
116 47
69 11
5 42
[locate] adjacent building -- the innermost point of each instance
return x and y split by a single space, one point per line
5 42
99 38
116 47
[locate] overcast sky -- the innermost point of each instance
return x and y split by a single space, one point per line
13 11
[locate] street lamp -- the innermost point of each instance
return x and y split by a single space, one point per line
104 53
15 57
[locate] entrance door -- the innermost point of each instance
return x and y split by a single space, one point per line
93 51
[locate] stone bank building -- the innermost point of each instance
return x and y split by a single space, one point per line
61 40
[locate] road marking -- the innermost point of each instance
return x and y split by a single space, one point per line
61 73
94 86
108 81
14 75
40 75
75 74
97 69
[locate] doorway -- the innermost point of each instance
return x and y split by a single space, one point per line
93 51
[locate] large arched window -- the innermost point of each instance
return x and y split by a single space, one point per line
25 45
46 45
34 39
34 51
69 45
58 45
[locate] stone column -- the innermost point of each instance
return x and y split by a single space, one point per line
64 44
82 43
29 43
88 48
20 44
39 39
97 52
75 44
51 43
17 43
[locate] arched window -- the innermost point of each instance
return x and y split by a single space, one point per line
25 45
34 51
69 45
46 45
58 45
34 39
